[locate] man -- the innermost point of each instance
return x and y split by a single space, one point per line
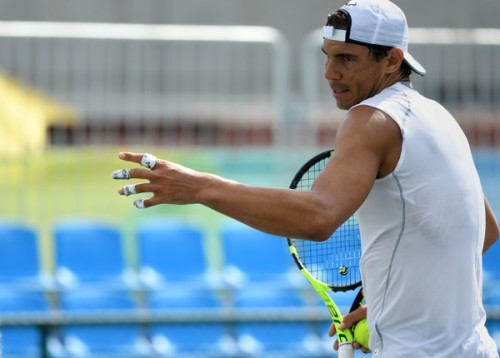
404 166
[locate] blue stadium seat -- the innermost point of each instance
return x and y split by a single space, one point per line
91 252
277 338
491 298
22 341
19 259
184 299
106 340
193 339
494 330
172 254
253 258
264 298
491 275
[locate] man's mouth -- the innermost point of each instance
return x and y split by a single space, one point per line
339 91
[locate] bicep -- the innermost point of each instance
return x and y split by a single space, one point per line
361 149
346 181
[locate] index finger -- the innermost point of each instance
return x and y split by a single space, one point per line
146 160
130 157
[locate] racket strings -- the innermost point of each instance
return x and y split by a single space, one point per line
336 260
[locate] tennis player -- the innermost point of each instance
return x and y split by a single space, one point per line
404 166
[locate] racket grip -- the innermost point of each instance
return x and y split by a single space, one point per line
346 351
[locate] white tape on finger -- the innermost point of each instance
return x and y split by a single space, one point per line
121 174
129 190
139 204
148 161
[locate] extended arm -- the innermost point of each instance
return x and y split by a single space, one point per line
343 185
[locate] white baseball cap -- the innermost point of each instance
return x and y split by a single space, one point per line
375 22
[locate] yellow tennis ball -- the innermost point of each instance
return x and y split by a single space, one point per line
361 333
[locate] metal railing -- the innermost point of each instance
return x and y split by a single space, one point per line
225 85
176 79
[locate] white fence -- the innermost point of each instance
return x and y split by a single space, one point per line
226 85
127 81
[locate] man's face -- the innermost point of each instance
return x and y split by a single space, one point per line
352 72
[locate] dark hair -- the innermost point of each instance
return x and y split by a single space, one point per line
340 20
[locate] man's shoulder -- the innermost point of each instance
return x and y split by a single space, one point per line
370 120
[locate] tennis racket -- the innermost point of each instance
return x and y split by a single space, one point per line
332 265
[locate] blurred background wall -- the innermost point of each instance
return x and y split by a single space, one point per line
295 19
283 14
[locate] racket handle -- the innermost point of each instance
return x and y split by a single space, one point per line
346 351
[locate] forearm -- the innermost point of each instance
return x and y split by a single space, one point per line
282 212
311 215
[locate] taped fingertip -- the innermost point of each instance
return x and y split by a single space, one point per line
139 204
129 190
148 160
121 174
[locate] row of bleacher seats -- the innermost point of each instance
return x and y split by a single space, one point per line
169 254
91 275
202 338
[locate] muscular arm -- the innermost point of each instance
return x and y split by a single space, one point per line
362 145
492 230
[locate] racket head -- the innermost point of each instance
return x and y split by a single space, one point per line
334 262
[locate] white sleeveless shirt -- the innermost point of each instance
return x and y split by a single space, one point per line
422 229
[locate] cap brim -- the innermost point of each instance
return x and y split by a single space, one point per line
414 64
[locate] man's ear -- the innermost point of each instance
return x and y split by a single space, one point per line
395 57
